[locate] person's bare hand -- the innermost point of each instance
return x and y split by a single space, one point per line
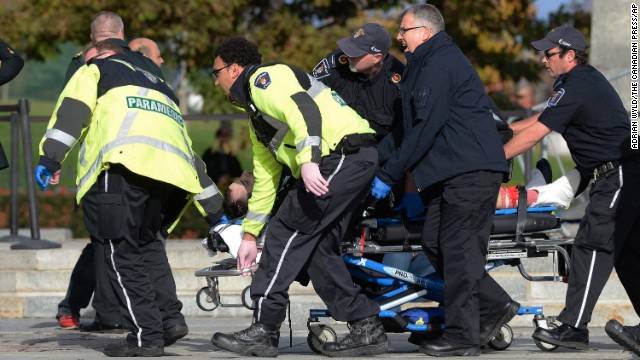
313 180
55 178
247 253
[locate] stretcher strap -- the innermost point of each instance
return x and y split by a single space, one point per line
522 214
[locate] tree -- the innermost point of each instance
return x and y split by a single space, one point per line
494 34
300 31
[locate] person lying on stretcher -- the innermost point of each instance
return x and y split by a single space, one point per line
540 192
559 193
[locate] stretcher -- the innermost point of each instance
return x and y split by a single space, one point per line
516 234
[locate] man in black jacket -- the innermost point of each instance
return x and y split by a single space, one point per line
453 150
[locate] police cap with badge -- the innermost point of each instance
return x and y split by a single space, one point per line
369 38
564 36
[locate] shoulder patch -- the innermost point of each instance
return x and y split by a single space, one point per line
343 59
421 97
555 98
263 80
322 69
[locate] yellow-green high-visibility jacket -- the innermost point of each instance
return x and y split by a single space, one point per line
295 119
123 115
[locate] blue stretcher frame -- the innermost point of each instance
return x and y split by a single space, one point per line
430 287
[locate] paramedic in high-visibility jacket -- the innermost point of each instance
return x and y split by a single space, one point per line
136 173
298 122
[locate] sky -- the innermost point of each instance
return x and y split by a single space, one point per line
547 6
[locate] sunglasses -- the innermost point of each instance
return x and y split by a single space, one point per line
549 55
215 72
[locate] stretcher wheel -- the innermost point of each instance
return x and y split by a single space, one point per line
503 338
544 346
246 298
318 335
205 300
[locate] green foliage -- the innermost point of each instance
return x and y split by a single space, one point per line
490 32
494 34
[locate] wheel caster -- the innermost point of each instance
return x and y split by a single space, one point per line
318 335
503 338
544 346
205 300
246 298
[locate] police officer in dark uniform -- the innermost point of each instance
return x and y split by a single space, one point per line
366 77
589 114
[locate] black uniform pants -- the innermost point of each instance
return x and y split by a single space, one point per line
455 237
607 236
132 213
90 277
305 234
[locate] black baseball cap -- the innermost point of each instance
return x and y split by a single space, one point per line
565 36
369 38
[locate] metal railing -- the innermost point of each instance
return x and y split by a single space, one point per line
19 118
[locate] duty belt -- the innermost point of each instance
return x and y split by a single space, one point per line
603 169
351 144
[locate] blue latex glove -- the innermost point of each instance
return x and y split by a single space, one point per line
412 203
379 189
43 172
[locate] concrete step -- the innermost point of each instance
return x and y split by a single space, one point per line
32 282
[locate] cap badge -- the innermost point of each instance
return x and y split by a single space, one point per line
562 42
358 33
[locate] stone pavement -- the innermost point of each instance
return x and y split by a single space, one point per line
42 339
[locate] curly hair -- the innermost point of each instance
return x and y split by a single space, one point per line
238 50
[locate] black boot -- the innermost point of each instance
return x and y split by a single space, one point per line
491 327
125 349
564 335
256 340
175 333
627 336
366 337
545 169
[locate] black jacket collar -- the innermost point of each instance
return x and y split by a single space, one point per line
239 91
564 77
427 48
